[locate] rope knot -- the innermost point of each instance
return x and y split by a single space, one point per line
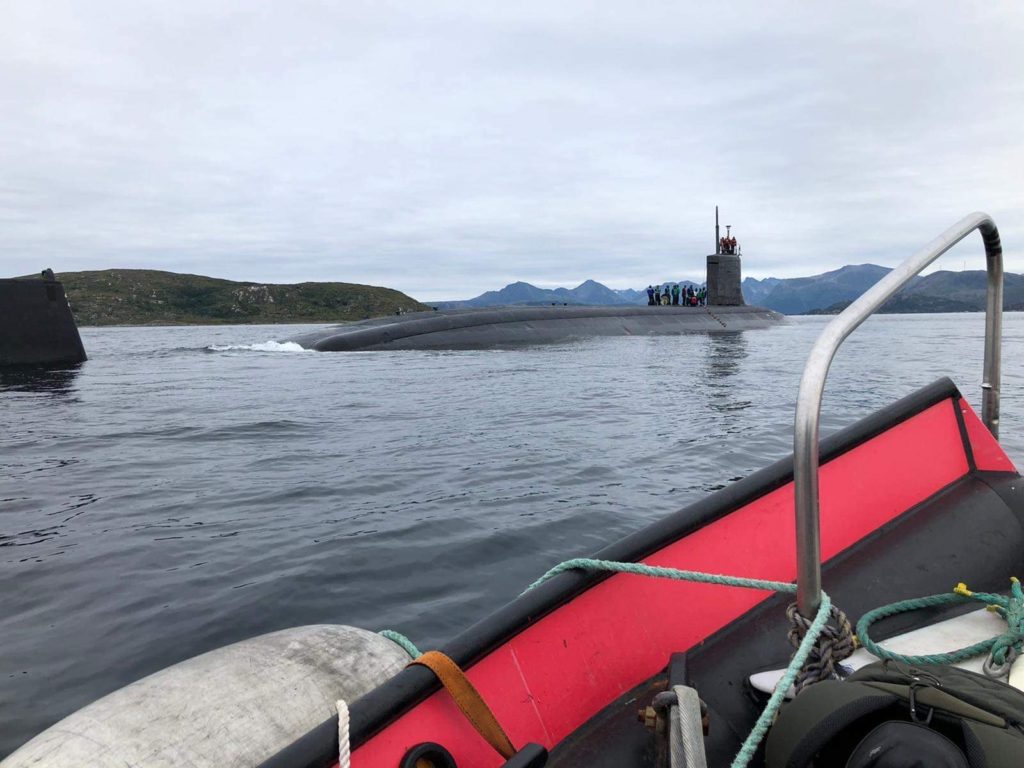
1009 645
835 643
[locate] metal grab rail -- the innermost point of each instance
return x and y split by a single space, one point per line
812 385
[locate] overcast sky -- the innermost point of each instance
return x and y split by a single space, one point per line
447 148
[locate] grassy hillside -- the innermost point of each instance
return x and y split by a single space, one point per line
150 297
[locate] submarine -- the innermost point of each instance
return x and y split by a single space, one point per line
492 327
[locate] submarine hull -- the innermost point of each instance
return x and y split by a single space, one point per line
510 326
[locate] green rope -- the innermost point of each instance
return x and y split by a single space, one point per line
767 717
402 640
1010 608
639 569
757 733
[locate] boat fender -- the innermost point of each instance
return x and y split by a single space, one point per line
233 707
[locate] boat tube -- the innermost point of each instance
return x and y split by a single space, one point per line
234 706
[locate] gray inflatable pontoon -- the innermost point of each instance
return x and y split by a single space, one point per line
508 326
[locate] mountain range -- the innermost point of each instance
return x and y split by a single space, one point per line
817 294
587 292
139 297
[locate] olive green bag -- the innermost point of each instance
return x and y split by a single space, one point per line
981 717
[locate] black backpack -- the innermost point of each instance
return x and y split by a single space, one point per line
892 715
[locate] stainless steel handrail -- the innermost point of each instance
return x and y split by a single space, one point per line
812 385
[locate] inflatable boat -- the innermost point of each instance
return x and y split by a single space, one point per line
682 644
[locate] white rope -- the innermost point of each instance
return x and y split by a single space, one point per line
686 739
343 745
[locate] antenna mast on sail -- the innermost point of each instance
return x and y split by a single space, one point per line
718 242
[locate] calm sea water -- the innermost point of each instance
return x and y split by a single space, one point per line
189 487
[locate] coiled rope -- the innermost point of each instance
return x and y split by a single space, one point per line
1002 649
835 643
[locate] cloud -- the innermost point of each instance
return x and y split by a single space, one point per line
448 148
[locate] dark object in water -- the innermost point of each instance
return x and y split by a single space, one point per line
36 324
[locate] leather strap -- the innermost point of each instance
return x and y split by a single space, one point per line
468 700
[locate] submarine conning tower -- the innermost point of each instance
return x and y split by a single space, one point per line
36 324
723 278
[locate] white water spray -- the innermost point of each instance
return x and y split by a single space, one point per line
263 346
